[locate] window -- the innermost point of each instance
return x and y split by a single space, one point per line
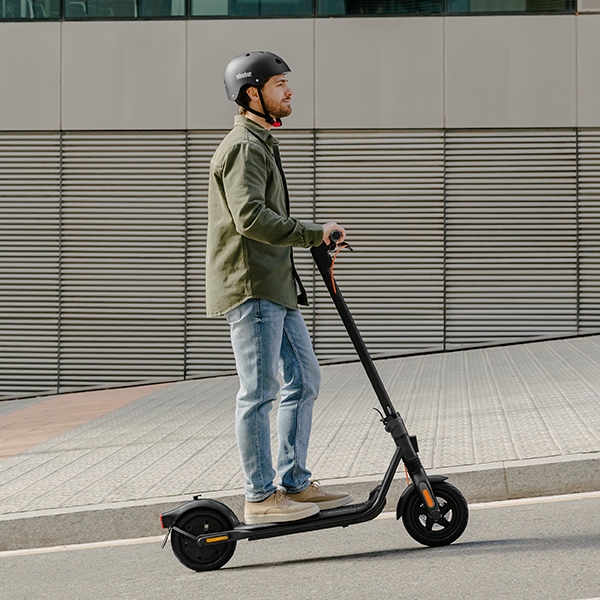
252 8
165 9
380 7
109 9
30 9
509 6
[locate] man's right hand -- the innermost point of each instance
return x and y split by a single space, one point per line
332 226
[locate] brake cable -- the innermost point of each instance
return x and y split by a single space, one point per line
340 246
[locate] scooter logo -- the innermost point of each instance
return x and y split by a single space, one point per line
244 75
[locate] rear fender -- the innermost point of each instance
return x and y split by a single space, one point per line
168 519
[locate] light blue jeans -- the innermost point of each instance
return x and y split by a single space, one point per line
268 338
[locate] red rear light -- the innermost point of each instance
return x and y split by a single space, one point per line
161 523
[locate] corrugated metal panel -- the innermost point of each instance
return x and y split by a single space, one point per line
589 230
131 296
386 188
208 346
123 258
511 244
208 343
29 256
297 157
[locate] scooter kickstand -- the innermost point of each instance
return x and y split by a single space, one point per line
166 538
189 535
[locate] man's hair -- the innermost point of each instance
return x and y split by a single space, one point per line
243 100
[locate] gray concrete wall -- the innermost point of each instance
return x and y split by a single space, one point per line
588 70
124 75
30 91
430 72
511 72
588 5
379 73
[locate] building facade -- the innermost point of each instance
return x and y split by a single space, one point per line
460 148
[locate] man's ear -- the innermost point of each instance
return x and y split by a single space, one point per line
252 93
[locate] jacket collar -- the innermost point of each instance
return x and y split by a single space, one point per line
256 129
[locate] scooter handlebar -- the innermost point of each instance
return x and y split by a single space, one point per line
335 236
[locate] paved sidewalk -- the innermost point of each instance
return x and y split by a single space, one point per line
25 423
477 412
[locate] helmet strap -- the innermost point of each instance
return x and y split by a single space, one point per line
267 117
259 114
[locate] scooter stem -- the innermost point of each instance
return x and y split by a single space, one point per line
393 421
323 262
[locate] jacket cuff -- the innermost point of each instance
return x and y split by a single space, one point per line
313 234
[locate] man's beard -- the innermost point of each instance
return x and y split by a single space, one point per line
278 111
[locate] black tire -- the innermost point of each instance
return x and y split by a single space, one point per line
455 516
197 522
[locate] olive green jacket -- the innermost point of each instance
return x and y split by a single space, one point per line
248 251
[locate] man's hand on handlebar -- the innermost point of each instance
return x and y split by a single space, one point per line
332 226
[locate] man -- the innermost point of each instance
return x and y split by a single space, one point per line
251 279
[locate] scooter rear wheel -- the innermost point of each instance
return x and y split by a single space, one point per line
199 522
455 515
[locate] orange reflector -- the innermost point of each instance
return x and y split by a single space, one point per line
217 539
428 498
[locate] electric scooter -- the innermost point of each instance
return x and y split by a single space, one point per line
204 532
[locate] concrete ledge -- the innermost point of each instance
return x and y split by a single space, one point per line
85 524
124 520
527 478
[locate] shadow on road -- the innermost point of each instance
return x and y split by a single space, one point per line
570 542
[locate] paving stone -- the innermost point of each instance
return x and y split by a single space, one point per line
471 408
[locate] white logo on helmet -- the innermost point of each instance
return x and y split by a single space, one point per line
244 75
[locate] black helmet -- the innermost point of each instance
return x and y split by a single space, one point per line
253 69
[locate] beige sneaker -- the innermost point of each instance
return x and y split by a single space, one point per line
315 493
278 508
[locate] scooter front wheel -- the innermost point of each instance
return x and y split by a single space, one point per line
422 528
200 521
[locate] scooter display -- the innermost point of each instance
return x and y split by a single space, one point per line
204 532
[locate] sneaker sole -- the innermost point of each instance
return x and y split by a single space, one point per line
309 511
334 503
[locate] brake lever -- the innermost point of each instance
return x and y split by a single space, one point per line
332 246
334 236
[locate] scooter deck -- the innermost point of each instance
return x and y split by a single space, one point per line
342 516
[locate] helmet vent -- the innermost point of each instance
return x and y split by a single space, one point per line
277 61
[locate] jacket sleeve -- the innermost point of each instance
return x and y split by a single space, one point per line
243 173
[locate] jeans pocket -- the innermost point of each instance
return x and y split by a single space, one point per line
234 315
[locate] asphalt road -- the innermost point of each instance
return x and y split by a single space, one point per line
546 549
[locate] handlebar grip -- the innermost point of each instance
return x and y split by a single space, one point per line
334 237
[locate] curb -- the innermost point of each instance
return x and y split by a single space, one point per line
491 482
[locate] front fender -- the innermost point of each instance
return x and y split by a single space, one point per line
410 489
169 518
